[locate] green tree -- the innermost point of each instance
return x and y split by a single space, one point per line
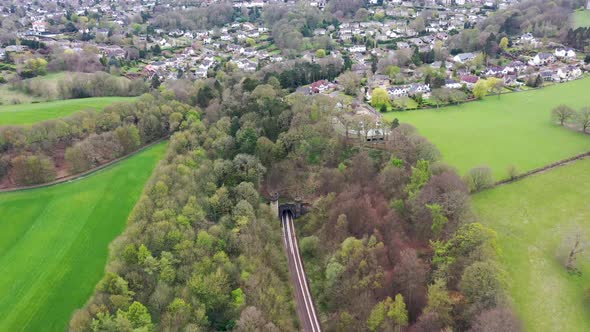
421 173
480 89
377 316
504 43
398 312
483 284
128 137
247 140
495 85
393 71
320 53
439 302
139 316
379 97
439 220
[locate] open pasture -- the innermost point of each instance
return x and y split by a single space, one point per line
54 241
514 129
534 217
30 113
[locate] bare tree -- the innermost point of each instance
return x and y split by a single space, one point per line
583 118
562 114
497 320
573 246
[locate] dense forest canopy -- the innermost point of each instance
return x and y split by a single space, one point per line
389 242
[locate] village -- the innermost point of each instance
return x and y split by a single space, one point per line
398 46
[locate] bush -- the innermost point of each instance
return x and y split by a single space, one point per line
29 170
512 172
479 178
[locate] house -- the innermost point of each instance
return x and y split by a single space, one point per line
516 66
397 91
495 70
564 53
402 45
547 75
380 80
568 73
452 84
319 32
39 26
463 57
320 86
542 59
418 88
469 80
357 49
304 90
527 38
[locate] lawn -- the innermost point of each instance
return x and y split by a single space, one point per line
514 129
581 18
31 113
532 217
54 241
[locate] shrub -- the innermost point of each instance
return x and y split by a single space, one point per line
479 178
512 172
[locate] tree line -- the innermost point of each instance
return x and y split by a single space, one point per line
566 115
81 85
35 154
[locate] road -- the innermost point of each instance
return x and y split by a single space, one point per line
305 309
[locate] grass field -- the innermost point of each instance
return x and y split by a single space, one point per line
532 217
514 129
31 113
54 242
581 18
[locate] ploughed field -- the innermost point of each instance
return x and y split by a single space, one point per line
533 216
54 241
515 129
30 113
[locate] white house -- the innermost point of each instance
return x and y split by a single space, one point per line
39 26
452 84
542 59
564 53
464 57
357 49
397 91
567 73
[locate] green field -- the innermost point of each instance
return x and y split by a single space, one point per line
581 18
514 129
532 217
54 242
31 113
